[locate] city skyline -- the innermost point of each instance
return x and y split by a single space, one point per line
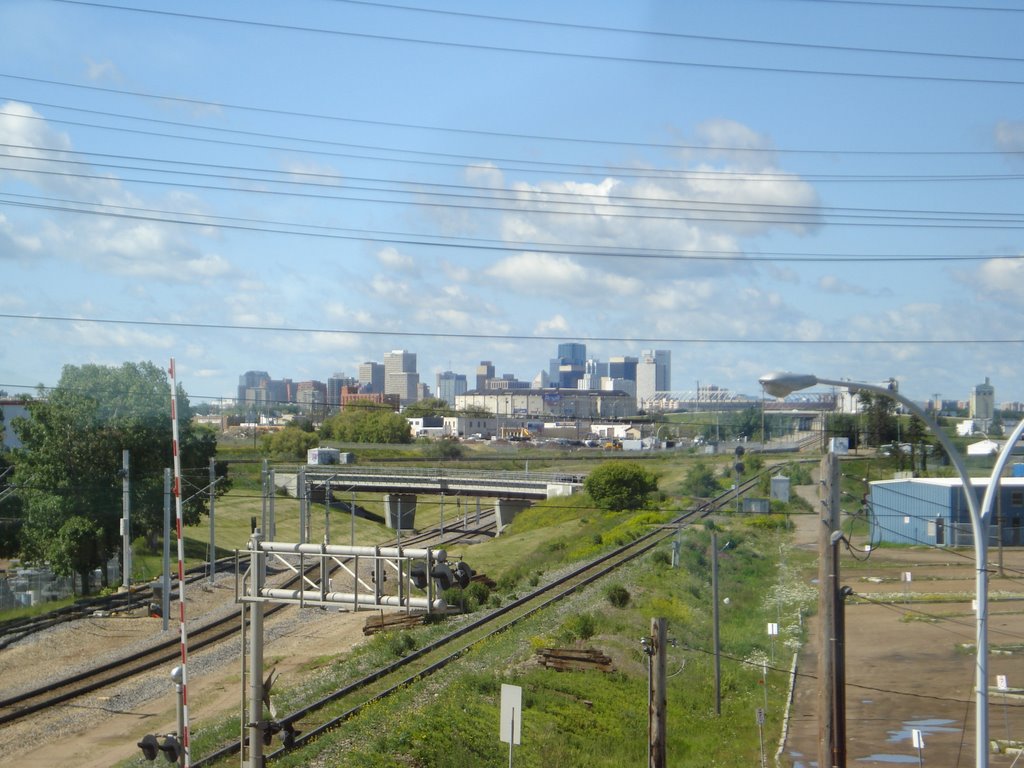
830 188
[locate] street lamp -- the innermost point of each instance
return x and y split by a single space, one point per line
780 384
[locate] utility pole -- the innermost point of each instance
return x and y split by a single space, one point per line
831 732
126 532
714 621
256 723
213 537
658 705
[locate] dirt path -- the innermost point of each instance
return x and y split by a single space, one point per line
909 660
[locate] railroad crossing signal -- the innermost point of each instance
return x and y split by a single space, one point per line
151 747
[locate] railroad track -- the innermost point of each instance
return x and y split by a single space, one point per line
17 629
330 712
95 678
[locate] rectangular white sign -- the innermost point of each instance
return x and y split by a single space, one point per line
1001 683
918 738
511 713
773 629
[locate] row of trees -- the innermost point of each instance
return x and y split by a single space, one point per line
361 423
66 494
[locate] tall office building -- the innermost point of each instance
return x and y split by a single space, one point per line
449 385
400 376
484 373
622 368
568 367
371 378
335 384
653 373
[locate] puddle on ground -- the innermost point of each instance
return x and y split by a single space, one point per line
905 734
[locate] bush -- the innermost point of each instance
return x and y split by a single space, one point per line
581 626
619 485
617 595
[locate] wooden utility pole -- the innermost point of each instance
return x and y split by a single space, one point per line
657 720
715 639
831 712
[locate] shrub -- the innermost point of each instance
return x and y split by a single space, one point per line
617 595
581 626
619 485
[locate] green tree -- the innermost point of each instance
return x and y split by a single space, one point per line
700 481
428 406
71 460
290 441
879 418
618 485
367 424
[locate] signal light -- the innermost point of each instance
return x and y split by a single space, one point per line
151 747
418 574
463 574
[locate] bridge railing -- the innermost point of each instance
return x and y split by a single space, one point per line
340 471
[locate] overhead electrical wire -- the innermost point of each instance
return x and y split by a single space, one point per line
465 243
475 46
504 337
966 220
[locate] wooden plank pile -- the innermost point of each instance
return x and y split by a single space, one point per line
386 622
574 659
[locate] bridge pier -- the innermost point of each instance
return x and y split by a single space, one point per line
507 509
400 511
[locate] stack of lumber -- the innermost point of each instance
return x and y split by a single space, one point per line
386 622
574 659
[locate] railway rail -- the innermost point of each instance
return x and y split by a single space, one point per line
316 719
95 678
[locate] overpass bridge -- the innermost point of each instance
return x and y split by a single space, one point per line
514 491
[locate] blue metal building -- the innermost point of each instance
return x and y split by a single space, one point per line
933 511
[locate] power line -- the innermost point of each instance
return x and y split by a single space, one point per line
550 53
504 337
444 129
468 243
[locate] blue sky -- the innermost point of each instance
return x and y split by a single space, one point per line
828 187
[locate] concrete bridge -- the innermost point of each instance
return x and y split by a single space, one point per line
513 491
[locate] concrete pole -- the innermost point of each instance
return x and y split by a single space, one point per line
714 621
303 507
657 720
828 589
256 722
213 534
126 531
271 532
165 599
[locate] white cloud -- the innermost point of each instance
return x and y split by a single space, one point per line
553 325
1009 135
102 70
835 284
393 259
557 275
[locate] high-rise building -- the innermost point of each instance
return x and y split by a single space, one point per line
983 401
484 373
653 373
335 384
449 385
251 380
569 366
400 376
622 368
371 377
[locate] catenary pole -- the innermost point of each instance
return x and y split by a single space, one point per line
181 565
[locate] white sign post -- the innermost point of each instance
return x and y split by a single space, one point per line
1004 688
511 716
773 631
918 738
